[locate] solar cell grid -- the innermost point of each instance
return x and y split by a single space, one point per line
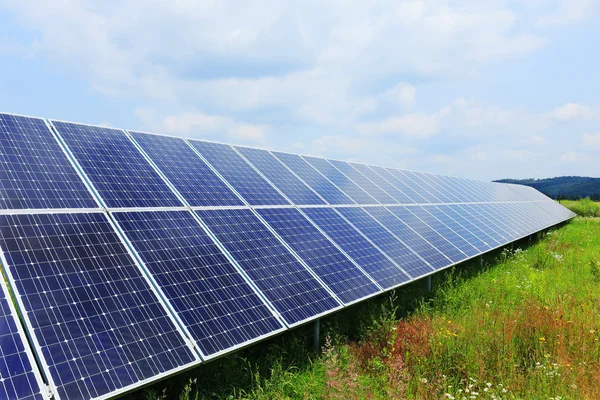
99 325
35 173
370 173
394 248
294 292
428 186
495 225
340 180
18 379
363 252
239 174
401 185
363 182
280 176
480 238
347 281
117 170
313 178
186 171
211 297
404 180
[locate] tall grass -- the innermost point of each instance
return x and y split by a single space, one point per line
584 208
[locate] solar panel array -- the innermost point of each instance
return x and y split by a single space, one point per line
133 256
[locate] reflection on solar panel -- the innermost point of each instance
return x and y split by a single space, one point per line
332 266
216 304
192 178
244 179
280 176
34 170
313 178
294 292
357 246
483 222
466 228
405 185
99 326
18 379
341 181
379 180
364 183
118 171
392 246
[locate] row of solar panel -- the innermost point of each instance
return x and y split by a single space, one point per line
102 323
37 174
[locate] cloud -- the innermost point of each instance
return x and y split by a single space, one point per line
591 140
518 154
416 125
574 111
536 140
568 11
574 157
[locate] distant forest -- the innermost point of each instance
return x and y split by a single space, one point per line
563 187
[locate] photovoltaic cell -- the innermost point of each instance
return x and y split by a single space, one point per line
347 281
341 181
406 186
313 178
430 187
99 325
284 281
452 193
280 176
190 175
34 170
362 251
213 300
376 178
410 238
116 168
477 237
482 222
363 182
18 380
386 241
239 174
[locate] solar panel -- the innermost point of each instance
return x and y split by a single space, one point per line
422 181
19 378
393 247
408 186
215 303
363 182
186 171
117 170
412 239
447 231
239 174
559 212
498 218
470 191
281 177
379 180
313 178
34 170
340 180
98 326
480 238
363 252
294 292
451 192
343 277
489 221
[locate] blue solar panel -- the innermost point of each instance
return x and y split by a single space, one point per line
99 325
341 181
346 280
394 248
379 180
18 380
434 191
239 174
445 246
280 176
499 218
362 251
190 175
213 300
413 240
34 170
116 168
294 292
313 178
451 192
405 185
529 216
363 182
478 237
487 221
448 232
558 212
466 187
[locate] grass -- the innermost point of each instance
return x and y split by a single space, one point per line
584 208
524 326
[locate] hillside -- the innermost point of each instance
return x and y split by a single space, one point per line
563 187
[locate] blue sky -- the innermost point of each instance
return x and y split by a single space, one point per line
486 90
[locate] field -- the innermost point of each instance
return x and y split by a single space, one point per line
526 325
585 207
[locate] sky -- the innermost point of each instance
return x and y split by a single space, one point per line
480 89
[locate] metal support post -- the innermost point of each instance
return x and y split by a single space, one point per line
481 261
316 333
428 283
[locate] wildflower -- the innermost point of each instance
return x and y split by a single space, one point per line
423 380
542 339
488 384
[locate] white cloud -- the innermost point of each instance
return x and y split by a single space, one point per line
568 11
591 140
574 157
249 133
417 125
518 154
574 111
536 140
404 94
